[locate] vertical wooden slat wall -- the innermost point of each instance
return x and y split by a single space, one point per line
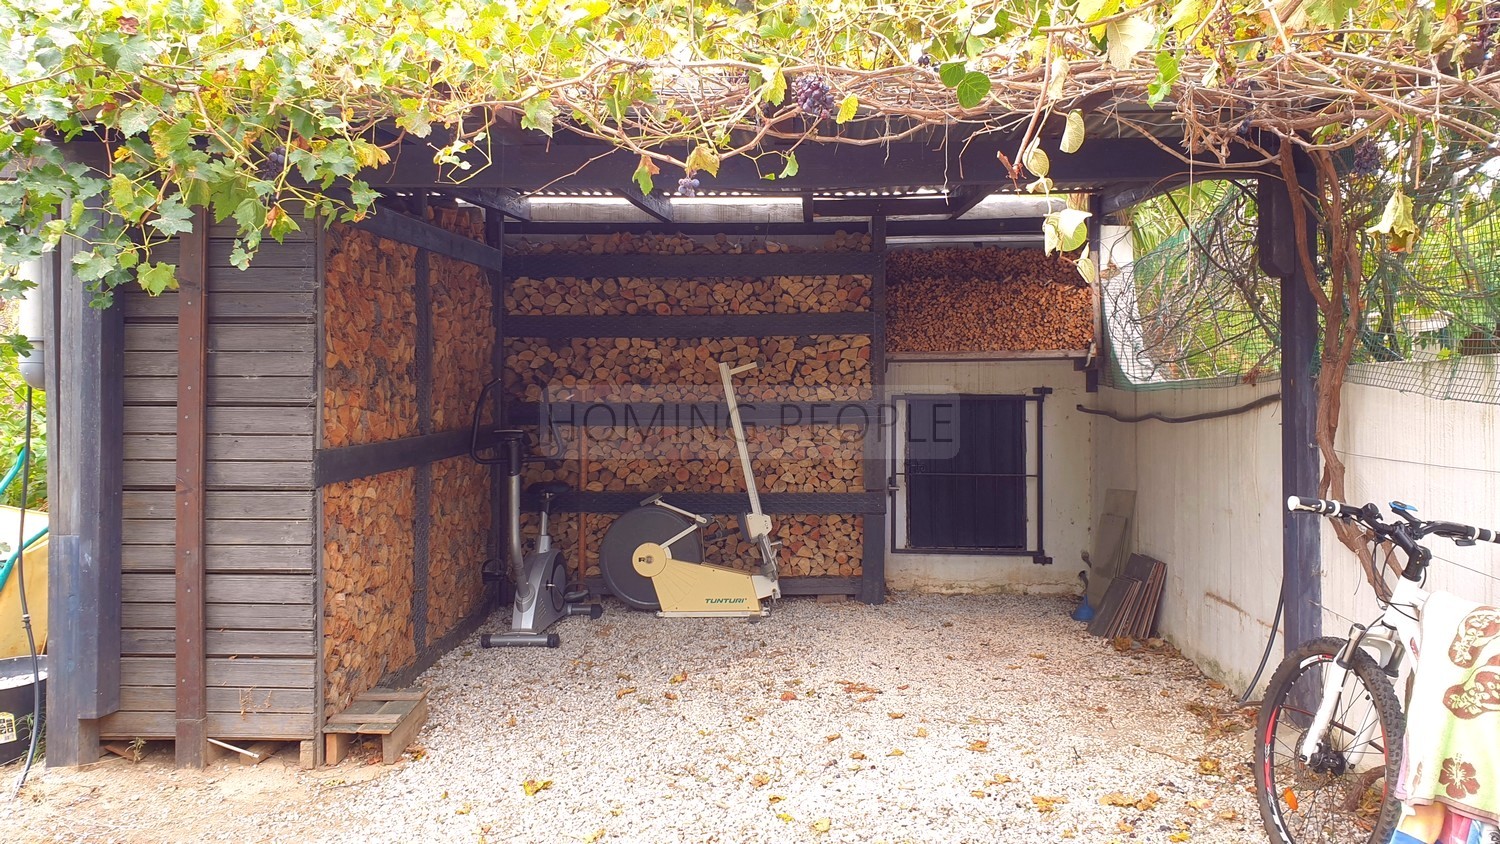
258 503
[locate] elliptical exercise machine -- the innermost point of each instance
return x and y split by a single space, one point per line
541 577
652 557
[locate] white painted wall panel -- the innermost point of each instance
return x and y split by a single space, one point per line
1067 437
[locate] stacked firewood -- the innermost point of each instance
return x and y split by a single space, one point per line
368 572
463 332
694 297
370 339
681 244
458 543
816 368
812 545
985 300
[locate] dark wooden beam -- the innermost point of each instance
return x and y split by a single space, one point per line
696 265
425 235
84 373
422 482
336 465
809 208
894 228
657 206
963 200
1301 563
503 200
959 160
750 325
775 503
876 471
600 414
192 410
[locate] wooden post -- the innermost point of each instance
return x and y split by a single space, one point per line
422 477
494 237
1301 563
85 384
872 564
192 408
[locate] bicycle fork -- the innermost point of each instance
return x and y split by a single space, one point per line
1384 649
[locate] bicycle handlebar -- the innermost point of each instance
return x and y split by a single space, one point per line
1370 516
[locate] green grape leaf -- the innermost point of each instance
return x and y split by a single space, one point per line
539 115
643 173
951 73
157 278
791 167
1167 74
775 91
1036 160
973 88
173 217
1396 223
1058 83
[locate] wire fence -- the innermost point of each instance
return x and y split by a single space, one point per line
1193 309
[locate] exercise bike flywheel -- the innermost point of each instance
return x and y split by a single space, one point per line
628 532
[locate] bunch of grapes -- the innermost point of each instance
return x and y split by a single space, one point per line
687 187
812 95
274 164
1366 158
924 60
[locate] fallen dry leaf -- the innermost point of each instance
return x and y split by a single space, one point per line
852 688
977 793
921 732
1122 643
774 799
670 695
532 787
760 780
895 716
834 737
1200 804
1229 815
1038 656
788 695
630 690
1179 836
979 746
1000 779
897 752
1209 766
784 817
679 677
594 837
1124 827
1047 804
856 755
464 809
822 825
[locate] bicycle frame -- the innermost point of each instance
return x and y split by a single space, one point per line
1394 632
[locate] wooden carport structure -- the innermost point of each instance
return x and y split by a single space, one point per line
170 633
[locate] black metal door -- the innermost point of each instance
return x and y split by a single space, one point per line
966 472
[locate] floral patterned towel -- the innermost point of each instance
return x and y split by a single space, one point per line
1452 748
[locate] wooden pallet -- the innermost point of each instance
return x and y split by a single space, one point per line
394 715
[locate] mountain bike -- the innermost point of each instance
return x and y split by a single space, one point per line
1328 738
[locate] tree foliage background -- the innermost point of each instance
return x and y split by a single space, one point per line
267 112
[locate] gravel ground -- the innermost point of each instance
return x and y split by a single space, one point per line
930 719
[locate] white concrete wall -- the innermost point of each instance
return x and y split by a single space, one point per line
1067 454
1209 504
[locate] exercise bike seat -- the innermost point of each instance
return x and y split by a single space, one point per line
548 488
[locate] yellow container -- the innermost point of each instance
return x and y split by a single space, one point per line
12 635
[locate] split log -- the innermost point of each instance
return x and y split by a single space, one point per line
368 583
458 543
691 297
370 339
463 333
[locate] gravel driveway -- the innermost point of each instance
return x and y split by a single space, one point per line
930 719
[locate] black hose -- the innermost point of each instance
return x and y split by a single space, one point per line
1266 656
36 674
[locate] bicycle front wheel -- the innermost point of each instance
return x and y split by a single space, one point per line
1344 794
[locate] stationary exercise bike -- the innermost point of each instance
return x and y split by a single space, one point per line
652 557
540 579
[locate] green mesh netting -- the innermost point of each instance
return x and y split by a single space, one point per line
1193 310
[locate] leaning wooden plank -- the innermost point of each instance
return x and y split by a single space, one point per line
337 747
1116 599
